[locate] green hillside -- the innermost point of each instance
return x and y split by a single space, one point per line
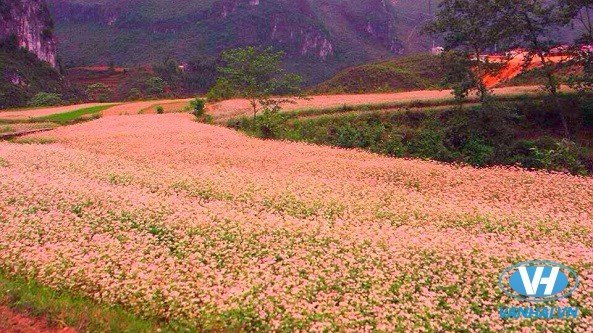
22 75
414 72
320 37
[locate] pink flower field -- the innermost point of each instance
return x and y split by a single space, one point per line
198 223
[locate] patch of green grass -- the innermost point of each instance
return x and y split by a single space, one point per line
10 121
70 117
34 140
81 313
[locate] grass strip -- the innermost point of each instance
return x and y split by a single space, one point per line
83 314
73 116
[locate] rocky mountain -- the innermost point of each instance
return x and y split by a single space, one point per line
29 23
28 64
319 36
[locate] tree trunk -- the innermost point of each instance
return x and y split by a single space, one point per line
480 73
254 106
552 88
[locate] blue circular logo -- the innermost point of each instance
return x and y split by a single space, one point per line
538 281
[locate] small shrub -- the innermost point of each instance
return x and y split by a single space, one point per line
220 91
134 94
362 136
238 123
550 154
208 119
99 92
477 152
394 146
270 123
428 143
160 109
586 110
46 99
155 86
198 107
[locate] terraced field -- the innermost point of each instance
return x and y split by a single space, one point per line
200 224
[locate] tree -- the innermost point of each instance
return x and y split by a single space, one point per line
99 92
198 107
170 72
201 73
155 86
46 99
470 29
459 73
534 23
580 11
257 75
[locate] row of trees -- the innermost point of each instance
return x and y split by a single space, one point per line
472 28
164 79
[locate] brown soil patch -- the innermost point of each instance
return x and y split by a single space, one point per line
12 322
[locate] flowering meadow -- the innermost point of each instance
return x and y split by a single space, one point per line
198 223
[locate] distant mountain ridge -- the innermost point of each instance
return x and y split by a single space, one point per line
319 36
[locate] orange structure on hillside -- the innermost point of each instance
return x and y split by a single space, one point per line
515 66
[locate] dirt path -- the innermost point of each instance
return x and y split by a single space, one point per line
12 322
232 108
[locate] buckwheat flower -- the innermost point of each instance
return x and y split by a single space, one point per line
182 220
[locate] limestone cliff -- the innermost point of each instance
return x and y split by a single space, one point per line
30 24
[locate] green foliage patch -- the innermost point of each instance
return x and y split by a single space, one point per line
81 313
414 72
23 77
74 116
518 132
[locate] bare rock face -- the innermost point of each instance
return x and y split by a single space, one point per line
29 22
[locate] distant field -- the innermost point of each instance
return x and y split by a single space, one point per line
106 109
228 109
132 108
222 111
